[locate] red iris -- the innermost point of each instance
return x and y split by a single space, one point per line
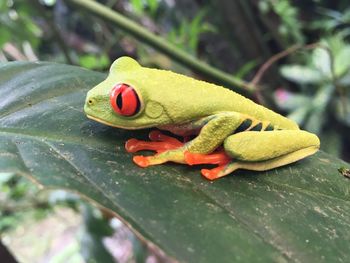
124 100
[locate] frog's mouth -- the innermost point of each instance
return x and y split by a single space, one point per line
110 124
100 121
118 126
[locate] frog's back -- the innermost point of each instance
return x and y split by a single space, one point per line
238 103
200 98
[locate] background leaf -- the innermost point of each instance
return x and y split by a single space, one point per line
341 61
299 212
322 61
301 74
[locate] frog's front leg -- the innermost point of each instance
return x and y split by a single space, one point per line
214 130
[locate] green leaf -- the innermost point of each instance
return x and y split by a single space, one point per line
246 69
342 62
318 107
321 60
297 213
153 6
301 74
94 62
137 5
291 101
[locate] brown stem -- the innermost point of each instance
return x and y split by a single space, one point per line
276 57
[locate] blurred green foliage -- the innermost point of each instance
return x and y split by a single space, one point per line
187 35
17 23
290 27
323 81
145 7
17 200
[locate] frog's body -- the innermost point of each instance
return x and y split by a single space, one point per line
253 137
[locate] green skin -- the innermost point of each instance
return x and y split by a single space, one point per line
186 106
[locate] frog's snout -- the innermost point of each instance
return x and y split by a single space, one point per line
89 101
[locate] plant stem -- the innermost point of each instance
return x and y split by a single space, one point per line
167 48
276 57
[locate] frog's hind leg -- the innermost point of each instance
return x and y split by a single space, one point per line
261 151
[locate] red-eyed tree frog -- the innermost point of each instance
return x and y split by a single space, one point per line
228 129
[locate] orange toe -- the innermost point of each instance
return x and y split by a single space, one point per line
193 158
159 143
141 161
214 158
131 145
207 173
134 145
212 174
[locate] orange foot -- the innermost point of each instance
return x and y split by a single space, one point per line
159 143
219 157
215 173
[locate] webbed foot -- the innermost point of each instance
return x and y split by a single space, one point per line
164 145
159 143
171 149
218 157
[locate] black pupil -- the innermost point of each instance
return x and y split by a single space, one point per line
138 103
119 101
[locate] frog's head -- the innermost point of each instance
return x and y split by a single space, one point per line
125 98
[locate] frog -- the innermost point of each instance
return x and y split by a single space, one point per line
195 122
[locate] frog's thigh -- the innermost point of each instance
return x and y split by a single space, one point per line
214 132
269 149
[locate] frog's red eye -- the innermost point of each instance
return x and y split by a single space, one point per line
124 100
